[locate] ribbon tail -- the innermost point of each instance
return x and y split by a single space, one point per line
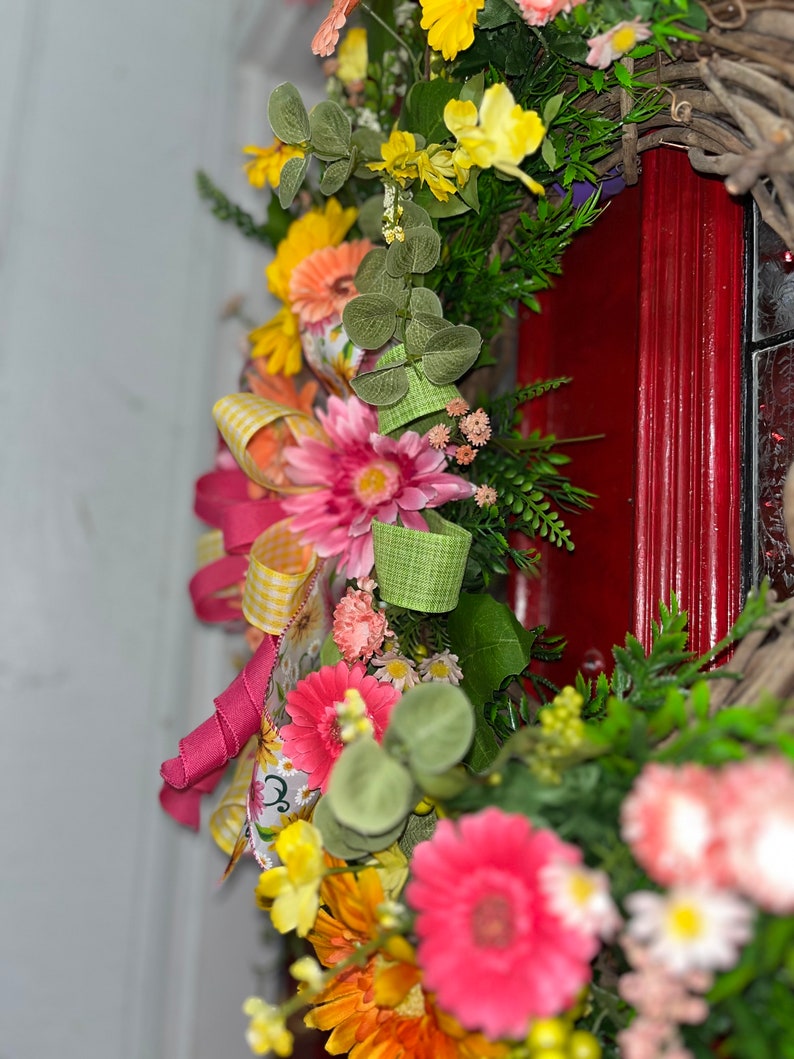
205 752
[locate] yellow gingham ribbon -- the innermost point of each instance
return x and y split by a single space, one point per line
209 547
279 573
228 819
240 416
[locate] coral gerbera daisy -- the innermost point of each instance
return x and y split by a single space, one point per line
322 284
381 1008
360 475
491 945
313 741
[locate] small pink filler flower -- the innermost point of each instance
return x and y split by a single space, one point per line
360 475
490 945
313 740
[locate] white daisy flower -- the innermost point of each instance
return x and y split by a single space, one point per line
441 667
691 928
396 670
580 897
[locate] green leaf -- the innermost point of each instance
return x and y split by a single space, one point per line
370 320
442 785
453 207
622 75
368 143
497 13
424 300
419 330
330 130
434 723
491 644
473 90
345 842
329 652
372 278
287 115
549 154
451 352
552 108
469 192
484 748
293 173
424 105
414 216
336 175
370 219
418 252
383 386
368 790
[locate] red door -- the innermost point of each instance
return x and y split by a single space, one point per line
647 321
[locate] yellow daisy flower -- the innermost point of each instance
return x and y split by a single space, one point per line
450 24
352 57
267 162
279 341
399 155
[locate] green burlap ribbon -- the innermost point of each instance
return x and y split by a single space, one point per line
421 569
423 401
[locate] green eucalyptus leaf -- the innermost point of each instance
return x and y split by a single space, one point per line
368 790
442 785
330 130
287 114
424 300
293 173
419 330
383 386
414 216
369 143
370 219
372 278
370 320
435 724
418 252
336 175
473 90
491 644
451 352
345 842
453 207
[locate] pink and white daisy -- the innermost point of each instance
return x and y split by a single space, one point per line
690 928
358 475
359 629
313 740
397 670
490 945
669 821
606 47
580 897
441 667
757 827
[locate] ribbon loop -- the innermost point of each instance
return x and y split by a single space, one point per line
421 569
423 401
279 571
242 419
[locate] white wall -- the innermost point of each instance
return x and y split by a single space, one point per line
113 939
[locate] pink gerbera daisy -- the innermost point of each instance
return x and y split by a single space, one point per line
757 825
360 475
490 945
669 821
322 284
313 741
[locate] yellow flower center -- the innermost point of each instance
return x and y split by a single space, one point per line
397 669
377 482
412 1006
439 670
685 922
492 922
581 888
625 39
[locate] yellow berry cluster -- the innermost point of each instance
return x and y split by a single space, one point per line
562 731
556 1039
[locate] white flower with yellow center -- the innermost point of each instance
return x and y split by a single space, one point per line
690 928
441 667
396 670
580 897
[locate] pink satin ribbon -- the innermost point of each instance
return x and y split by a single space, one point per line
205 752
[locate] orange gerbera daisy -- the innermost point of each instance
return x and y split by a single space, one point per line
380 1010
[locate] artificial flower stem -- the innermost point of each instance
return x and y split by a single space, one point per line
396 36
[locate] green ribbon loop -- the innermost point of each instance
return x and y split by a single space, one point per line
424 399
420 569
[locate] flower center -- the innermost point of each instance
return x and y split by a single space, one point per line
377 482
397 669
492 922
581 888
685 921
625 39
343 286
